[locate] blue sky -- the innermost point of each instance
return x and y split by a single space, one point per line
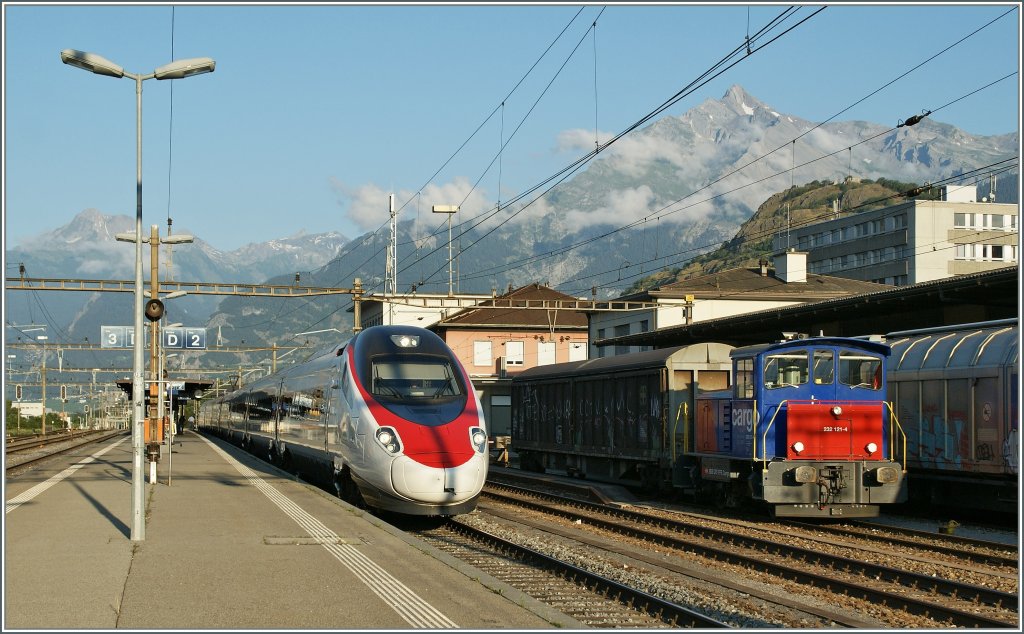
316 113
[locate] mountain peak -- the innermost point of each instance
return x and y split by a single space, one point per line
742 102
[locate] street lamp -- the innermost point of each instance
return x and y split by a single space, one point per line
450 210
175 70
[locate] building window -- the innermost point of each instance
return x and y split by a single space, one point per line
621 331
514 353
577 351
545 352
482 353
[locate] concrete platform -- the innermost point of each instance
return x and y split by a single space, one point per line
230 543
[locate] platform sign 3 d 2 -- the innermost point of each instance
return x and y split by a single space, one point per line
184 338
178 338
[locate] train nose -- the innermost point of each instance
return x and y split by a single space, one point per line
438 485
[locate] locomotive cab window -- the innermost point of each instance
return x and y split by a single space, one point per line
860 370
785 370
824 367
414 377
743 373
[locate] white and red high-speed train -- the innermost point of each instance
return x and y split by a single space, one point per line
390 418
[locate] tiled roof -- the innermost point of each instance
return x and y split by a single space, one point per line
750 284
487 315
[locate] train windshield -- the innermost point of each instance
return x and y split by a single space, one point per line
413 376
859 370
785 369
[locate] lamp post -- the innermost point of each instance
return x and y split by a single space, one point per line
450 210
175 70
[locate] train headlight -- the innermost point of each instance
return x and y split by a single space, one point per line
388 438
887 475
837 411
479 439
405 341
805 474
798 447
871 448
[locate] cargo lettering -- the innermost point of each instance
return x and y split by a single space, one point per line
743 419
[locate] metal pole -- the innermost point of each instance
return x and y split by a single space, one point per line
138 525
449 255
44 389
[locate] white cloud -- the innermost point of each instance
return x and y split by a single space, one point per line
367 205
580 140
621 207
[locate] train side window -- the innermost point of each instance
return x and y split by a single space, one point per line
743 385
859 370
785 369
824 367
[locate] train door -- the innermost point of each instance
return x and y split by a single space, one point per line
681 421
710 434
988 450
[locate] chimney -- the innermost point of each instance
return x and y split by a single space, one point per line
791 266
763 263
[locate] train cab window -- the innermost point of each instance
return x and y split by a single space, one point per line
824 367
785 369
743 386
414 377
859 370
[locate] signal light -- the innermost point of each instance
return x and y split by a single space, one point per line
63 392
154 310
17 392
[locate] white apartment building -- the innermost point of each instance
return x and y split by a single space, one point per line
914 241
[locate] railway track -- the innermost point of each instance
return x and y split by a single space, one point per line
974 550
590 598
940 600
24 453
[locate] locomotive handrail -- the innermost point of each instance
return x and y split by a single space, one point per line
893 419
764 436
